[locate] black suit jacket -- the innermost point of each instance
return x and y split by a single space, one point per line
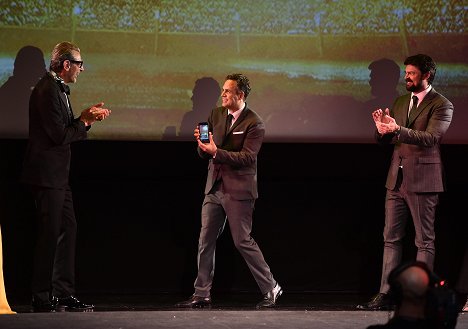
52 128
417 148
236 159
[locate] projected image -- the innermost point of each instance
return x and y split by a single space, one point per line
317 68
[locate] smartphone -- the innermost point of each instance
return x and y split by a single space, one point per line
204 132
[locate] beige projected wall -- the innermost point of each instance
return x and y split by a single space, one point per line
317 68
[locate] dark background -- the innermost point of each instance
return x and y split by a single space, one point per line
319 218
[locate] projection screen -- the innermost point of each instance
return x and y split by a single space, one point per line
318 68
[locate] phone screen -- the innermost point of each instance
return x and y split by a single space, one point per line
203 128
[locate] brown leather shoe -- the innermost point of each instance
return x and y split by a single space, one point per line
195 301
378 302
270 298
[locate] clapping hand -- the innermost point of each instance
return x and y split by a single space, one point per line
94 113
384 123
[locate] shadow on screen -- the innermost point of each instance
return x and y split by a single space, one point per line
29 67
205 95
309 114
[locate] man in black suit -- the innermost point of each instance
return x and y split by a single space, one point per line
416 125
52 128
236 135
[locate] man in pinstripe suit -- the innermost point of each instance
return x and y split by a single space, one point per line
416 125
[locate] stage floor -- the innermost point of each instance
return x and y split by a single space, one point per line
312 311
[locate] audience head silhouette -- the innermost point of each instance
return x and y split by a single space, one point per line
422 300
411 286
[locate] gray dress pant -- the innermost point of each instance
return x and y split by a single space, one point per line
400 204
217 207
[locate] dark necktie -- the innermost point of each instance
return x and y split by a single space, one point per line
413 108
228 122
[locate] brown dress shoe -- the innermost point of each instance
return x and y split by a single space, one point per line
270 298
195 301
378 302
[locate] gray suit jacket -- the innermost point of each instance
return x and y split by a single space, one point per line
417 148
236 159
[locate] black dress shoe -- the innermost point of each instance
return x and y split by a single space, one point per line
378 302
195 301
44 306
71 304
270 298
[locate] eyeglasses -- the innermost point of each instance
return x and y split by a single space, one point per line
79 63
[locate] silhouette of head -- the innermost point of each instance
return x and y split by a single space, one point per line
409 288
414 283
29 65
205 94
384 76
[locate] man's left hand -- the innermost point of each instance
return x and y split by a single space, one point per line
387 128
210 147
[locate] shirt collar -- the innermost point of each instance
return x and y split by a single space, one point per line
422 94
237 113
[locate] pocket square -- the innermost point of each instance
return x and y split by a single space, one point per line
237 132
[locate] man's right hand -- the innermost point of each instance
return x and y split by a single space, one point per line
381 116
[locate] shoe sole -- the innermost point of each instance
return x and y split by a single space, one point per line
68 309
272 305
200 305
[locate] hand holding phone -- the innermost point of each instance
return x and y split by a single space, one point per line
204 132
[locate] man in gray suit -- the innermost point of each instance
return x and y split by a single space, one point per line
236 135
416 125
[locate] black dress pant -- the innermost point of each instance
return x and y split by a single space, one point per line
54 257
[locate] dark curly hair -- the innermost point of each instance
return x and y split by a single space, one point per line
243 83
424 63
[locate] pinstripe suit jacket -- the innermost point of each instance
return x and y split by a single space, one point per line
236 159
417 148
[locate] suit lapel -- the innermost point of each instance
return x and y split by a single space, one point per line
425 103
237 122
68 112
401 116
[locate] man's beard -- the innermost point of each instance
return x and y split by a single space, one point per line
413 87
